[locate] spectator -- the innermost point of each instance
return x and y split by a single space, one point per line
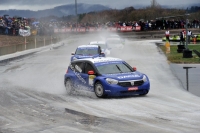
167 34
182 40
189 34
150 26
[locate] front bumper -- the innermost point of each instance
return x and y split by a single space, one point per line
116 90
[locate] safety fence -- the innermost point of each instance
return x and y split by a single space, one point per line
12 44
95 29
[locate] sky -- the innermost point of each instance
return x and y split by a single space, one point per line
115 4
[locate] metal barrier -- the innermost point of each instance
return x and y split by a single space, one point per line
11 44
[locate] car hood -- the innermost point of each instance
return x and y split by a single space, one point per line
125 76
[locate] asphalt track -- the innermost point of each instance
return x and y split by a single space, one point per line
33 98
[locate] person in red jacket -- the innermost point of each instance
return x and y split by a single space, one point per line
167 34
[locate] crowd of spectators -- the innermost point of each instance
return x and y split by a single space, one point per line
162 24
11 26
145 25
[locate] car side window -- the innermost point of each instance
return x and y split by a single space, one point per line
79 66
88 67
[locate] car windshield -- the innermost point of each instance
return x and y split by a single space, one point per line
86 51
113 68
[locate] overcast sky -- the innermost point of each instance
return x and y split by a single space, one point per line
118 4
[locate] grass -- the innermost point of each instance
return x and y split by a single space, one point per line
174 57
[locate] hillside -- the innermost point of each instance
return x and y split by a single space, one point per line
58 11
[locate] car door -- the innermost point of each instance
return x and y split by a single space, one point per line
88 78
79 81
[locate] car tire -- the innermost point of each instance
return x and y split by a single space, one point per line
99 90
69 87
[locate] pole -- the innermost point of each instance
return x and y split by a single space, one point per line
35 42
51 39
76 13
186 33
186 30
187 79
187 83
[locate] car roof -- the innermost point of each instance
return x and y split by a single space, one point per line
113 38
113 35
89 46
97 42
101 59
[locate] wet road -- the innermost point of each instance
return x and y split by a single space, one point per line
193 83
33 97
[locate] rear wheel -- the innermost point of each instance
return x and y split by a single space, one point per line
69 87
99 90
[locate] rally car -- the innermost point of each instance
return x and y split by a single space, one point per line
87 51
105 76
115 42
104 46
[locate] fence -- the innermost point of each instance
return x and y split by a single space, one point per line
93 29
12 44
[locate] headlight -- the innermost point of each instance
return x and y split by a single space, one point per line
144 78
111 81
74 58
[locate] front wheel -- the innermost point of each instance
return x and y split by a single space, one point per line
68 86
99 90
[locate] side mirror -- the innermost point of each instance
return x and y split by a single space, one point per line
134 68
102 53
91 73
72 53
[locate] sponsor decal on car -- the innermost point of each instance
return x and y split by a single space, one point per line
133 89
87 48
91 79
128 76
110 61
77 74
84 56
78 68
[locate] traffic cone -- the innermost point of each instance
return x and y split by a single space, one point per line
167 46
194 40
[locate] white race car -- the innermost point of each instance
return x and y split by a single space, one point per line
104 47
115 42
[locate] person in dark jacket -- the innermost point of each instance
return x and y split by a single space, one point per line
182 38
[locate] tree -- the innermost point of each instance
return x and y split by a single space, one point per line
154 4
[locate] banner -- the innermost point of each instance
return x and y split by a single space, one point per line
23 32
94 29
126 28
137 28
112 28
